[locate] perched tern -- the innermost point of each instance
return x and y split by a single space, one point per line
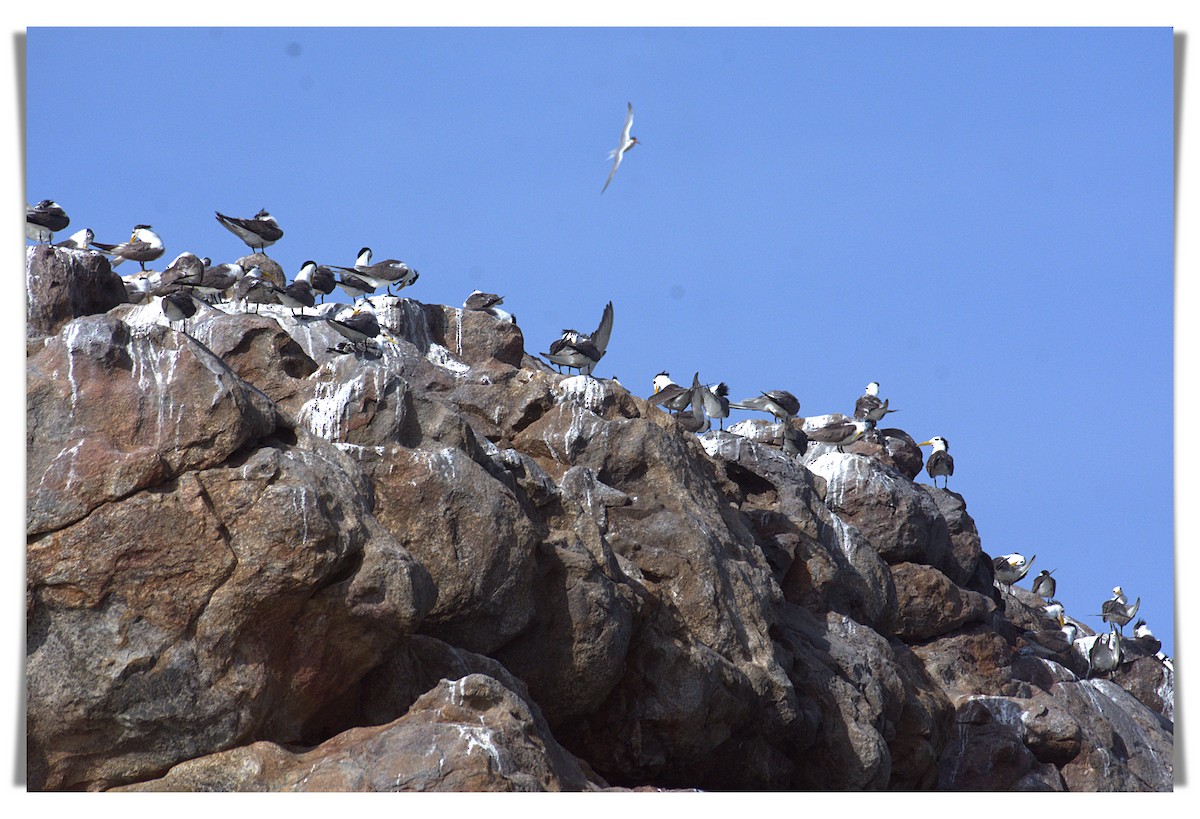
939 462
178 306
1146 638
358 326
1105 654
259 232
43 220
868 407
144 245
211 282
1047 643
253 289
1116 611
714 398
839 432
667 393
1009 569
79 240
1044 585
298 294
624 145
780 403
388 273
488 303
582 351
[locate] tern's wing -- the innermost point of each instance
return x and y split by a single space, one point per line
626 128
600 337
616 162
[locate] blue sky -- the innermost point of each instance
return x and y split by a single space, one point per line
980 219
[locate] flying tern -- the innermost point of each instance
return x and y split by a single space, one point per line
624 145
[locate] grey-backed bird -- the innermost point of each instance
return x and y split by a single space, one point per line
839 432
79 240
1105 654
144 245
1116 611
1044 585
1009 569
581 351
258 232
939 462
44 219
868 407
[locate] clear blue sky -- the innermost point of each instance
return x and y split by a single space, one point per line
980 219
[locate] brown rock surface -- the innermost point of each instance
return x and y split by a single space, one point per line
470 734
255 555
62 284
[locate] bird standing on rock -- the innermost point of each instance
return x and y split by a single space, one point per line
258 232
581 351
780 403
868 407
1046 644
43 220
1116 612
1009 569
144 245
839 432
79 240
939 462
1044 585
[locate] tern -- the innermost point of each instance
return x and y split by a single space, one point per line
488 303
1105 654
1009 569
323 281
1116 611
388 273
714 398
359 326
182 266
212 281
580 350
178 306
79 240
43 220
1047 643
1054 611
780 403
138 289
840 432
940 462
259 232
667 393
1146 638
144 245
252 289
1044 585
298 294
868 407
624 145
795 440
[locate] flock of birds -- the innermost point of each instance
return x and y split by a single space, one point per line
189 277
1109 650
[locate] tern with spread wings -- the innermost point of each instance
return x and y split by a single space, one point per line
624 145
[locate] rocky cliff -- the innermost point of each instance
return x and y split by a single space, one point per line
258 562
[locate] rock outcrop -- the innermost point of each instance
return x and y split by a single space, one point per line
256 561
